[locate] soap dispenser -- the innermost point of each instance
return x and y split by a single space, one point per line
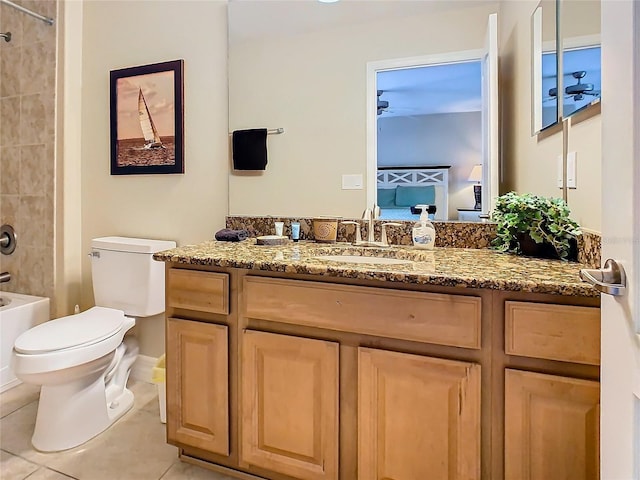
424 233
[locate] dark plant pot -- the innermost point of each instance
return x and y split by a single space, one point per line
530 248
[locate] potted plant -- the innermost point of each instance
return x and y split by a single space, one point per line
535 226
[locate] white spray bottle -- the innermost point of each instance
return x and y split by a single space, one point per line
424 233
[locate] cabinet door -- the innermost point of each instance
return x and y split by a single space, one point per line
551 427
197 385
290 405
418 417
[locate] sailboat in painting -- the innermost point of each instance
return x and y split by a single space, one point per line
149 131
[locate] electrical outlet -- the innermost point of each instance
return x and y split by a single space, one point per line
352 182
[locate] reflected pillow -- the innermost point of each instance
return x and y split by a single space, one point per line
410 196
386 197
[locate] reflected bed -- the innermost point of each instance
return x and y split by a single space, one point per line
400 188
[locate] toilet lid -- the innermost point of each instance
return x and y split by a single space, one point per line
86 328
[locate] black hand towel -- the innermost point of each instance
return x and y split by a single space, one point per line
250 149
228 235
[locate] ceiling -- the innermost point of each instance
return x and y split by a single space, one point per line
448 88
251 19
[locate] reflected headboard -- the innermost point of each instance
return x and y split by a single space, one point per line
437 177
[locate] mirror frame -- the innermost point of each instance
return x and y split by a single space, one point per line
537 52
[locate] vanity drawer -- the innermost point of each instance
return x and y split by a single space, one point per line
422 317
555 332
196 290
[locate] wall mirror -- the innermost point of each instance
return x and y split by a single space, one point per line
565 36
305 70
544 67
580 44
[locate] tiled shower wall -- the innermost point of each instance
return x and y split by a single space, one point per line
27 145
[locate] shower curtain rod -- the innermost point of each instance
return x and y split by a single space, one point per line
47 20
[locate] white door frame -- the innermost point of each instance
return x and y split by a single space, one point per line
372 105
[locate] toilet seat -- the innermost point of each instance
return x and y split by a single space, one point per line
74 331
42 355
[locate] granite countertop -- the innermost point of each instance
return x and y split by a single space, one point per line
451 267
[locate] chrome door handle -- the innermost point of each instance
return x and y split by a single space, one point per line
609 279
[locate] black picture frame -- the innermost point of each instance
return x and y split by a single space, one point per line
146 102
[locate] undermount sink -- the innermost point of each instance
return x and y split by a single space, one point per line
372 255
361 259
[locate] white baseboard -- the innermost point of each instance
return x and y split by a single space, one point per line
142 368
9 385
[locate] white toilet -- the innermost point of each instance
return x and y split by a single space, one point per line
83 361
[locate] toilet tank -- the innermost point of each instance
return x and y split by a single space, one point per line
126 277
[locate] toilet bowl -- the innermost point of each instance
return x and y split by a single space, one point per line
83 361
83 365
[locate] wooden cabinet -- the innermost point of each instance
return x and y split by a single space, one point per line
197 290
556 332
299 379
289 420
418 417
551 427
551 420
391 313
197 385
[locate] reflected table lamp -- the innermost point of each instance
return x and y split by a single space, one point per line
476 176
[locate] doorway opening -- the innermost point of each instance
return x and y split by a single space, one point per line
486 191
429 139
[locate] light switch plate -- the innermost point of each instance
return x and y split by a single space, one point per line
352 181
559 163
572 160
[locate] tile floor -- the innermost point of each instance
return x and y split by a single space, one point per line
134 448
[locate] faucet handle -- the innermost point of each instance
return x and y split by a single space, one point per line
358 234
383 239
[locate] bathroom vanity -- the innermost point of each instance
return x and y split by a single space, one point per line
457 364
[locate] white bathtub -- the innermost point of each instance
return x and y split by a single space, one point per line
22 313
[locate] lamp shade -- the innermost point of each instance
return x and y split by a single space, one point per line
476 174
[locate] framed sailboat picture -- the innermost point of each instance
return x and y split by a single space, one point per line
147 122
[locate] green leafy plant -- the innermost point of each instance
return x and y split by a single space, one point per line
544 220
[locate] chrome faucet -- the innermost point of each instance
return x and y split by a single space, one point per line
5 277
369 216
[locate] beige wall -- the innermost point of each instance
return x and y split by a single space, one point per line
27 139
452 139
529 163
314 85
187 208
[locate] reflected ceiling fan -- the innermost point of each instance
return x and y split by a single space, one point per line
577 91
382 104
